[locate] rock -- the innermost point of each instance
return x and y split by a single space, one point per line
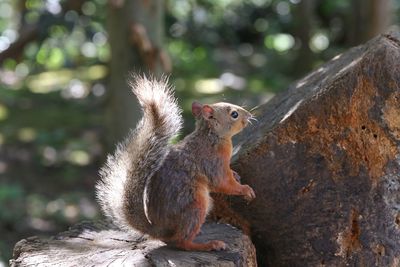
324 161
101 244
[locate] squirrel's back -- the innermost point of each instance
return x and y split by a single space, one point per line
122 188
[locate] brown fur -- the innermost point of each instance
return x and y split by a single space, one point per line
162 189
198 165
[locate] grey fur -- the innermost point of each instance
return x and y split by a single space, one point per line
126 173
162 189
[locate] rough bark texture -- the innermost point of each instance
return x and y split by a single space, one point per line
99 244
324 161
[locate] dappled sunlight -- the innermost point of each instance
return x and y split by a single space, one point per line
43 213
291 111
98 89
236 150
6 10
246 50
75 89
50 155
88 208
258 60
225 81
53 6
50 81
303 81
321 70
4 43
71 212
282 8
26 134
57 111
3 112
261 24
336 57
209 86
233 81
281 42
9 78
89 49
351 64
21 70
55 206
41 224
78 157
319 42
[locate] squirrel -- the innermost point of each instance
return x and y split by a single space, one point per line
162 189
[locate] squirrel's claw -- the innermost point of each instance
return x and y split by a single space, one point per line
217 245
248 193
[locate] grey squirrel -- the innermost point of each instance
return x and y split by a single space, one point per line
162 189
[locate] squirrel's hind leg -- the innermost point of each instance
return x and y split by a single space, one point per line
185 241
211 245
191 222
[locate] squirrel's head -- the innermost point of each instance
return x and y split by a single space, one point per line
224 119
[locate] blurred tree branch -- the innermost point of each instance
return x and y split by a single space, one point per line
15 50
34 32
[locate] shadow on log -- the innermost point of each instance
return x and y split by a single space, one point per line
324 161
101 244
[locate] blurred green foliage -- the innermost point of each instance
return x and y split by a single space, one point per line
53 93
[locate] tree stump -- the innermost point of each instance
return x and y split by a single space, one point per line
324 161
101 244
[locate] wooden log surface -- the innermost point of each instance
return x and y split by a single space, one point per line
324 161
101 244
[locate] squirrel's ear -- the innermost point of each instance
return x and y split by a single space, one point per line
207 112
196 109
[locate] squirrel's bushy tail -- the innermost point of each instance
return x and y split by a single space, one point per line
121 190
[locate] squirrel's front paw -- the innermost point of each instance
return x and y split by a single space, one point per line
248 192
217 245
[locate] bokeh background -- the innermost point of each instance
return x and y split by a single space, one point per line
63 67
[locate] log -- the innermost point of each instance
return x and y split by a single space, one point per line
324 161
101 244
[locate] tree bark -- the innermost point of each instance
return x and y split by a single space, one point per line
100 244
128 54
324 161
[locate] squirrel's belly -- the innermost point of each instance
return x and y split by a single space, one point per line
203 197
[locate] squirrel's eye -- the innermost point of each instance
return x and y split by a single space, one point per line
234 114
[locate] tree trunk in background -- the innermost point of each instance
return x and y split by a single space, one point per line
304 16
135 30
381 17
367 19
